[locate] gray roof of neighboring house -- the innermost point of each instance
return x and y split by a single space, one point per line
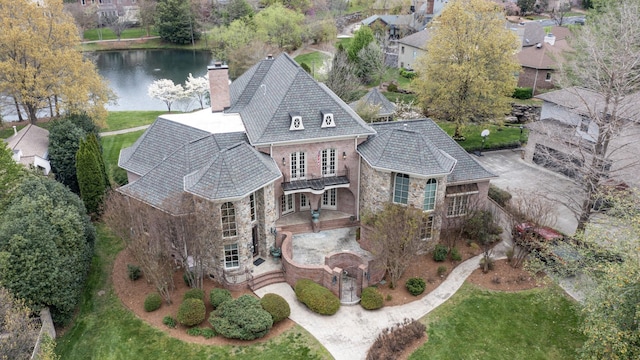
375 98
32 140
584 101
397 20
433 151
417 40
271 90
215 167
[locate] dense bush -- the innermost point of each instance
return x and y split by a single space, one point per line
242 318
133 271
498 195
152 302
191 312
442 270
207 333
407 74
306 67
318 298
371 298
277 306
455 254
218 296
440 253
392 87
194 294
522 93
392 342
416 286
169 321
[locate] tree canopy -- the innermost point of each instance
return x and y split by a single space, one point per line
166 91
46 244
280 26
175 22
10 175
468 71
40 66
91 174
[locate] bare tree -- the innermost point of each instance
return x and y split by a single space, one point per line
607 64
342 79
85 16
147 14
558 13
114 22
482 228
397 238
18 331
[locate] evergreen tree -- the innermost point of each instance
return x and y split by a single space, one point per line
175 22
64 141
92 179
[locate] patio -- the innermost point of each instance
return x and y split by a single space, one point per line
311 248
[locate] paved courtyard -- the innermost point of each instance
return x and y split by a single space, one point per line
311 248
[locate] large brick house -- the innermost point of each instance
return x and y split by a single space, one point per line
279 152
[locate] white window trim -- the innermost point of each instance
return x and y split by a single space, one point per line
307 204
252 207
330 199
233 251
286 206
435 195
231 221
429 220
299 159
329 155
453 204
327 120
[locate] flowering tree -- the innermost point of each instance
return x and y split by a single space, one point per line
167 91
197 87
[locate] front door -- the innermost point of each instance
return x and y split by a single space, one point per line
254 237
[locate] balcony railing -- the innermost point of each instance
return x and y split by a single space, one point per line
316 183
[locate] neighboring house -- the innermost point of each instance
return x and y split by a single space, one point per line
375 99
397 26
540 58
561 140
411 47
280 153
125 10
30 147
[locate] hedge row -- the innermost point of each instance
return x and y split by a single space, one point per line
318 298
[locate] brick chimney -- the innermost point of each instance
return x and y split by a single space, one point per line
219 87
430 7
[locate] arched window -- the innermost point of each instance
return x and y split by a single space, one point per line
430 195
228 213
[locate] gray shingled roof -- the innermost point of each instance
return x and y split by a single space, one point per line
32 140
216 167
585 102
375 98
161 139
274 88
417 40
420 147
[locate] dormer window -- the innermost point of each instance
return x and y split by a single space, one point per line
327 119
296 121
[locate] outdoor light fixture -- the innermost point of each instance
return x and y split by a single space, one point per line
334 280
344 155
284 162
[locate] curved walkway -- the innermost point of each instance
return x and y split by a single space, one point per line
349 333
124 131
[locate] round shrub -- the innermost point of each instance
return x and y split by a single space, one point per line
318 298
152 302
194 294
277 306
242 318
415 286
440 253
191 312
133 272
371 299
218 296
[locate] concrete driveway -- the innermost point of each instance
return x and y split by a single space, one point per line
516 175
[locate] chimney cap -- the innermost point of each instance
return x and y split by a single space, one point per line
217 65
269 56
539 45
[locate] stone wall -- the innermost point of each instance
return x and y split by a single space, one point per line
374 189
521 114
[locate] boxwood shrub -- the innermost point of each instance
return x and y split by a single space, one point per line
415 286
523 93
133 272
194 294
242 318
191 312
277 306
371 298
318 298
169 321
152 302
218 296
440 253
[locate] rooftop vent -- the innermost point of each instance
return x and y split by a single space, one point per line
327 119
296 121
539 45
269 56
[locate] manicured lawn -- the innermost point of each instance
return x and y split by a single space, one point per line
104 329
7 131
499 136
394 96
479 324
118 120
108 34
111 146
311 58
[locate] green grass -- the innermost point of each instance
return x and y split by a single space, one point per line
314 60
7 130
480 324
111 146
394 96
499 135
108 34
104 329
118 120
147 44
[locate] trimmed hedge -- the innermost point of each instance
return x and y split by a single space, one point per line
152 302
522 93
242 318
498 195
194 294
318 298
371 298
218 296
277 306
191 312
415 286
440 253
